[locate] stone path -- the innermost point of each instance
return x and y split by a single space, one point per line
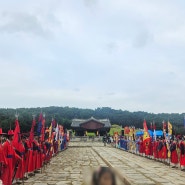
137 170
74 166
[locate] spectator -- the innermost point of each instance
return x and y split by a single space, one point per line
104 176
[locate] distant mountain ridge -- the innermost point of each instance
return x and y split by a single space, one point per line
64 115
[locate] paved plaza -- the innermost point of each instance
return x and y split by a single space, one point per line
74 166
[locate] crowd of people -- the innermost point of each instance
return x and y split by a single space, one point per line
171 152
23 155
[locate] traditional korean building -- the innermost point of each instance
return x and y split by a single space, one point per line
98 126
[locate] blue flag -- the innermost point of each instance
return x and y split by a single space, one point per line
39 127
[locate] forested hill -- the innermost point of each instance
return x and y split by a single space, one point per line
64 115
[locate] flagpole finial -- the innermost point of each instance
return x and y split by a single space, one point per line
16 115
33 115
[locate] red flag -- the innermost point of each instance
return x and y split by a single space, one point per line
164 126
146 135
126 130
17 138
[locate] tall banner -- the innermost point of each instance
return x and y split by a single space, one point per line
169 128
51 132
154 127
39 127
43 128
17 135
146 136
126 130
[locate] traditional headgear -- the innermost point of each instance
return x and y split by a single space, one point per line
10 133
1 132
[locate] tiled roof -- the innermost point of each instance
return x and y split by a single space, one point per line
77 122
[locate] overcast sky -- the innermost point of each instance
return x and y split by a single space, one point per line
122 54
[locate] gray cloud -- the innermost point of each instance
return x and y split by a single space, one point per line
90 3
120 54
22 23
142 39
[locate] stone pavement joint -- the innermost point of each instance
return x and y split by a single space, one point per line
74 166
123 179
138 170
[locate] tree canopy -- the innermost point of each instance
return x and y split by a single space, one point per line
64 116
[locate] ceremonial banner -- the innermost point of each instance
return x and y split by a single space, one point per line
50 133
131 132
57 133
39 127
126 130
164 126
169 128
16 139
146 136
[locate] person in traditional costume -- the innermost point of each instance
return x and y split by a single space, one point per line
159 149
21 167
147 148
35 154
11 156
174 156
151 148
3 160
164 151
155 149
141 146
29 166
182 154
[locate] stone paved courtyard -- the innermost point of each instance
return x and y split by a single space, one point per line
75 165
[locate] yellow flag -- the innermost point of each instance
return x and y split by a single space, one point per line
131 132
169 128
50 133
146 135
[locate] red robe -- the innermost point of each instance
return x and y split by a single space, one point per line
147 148
44 150
30 161
164 151
155 151
39 157
151 148
182 153
55 147
174 155
141 147
21 166
34 155
10 156
160 149
3 162
29 167
26 146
